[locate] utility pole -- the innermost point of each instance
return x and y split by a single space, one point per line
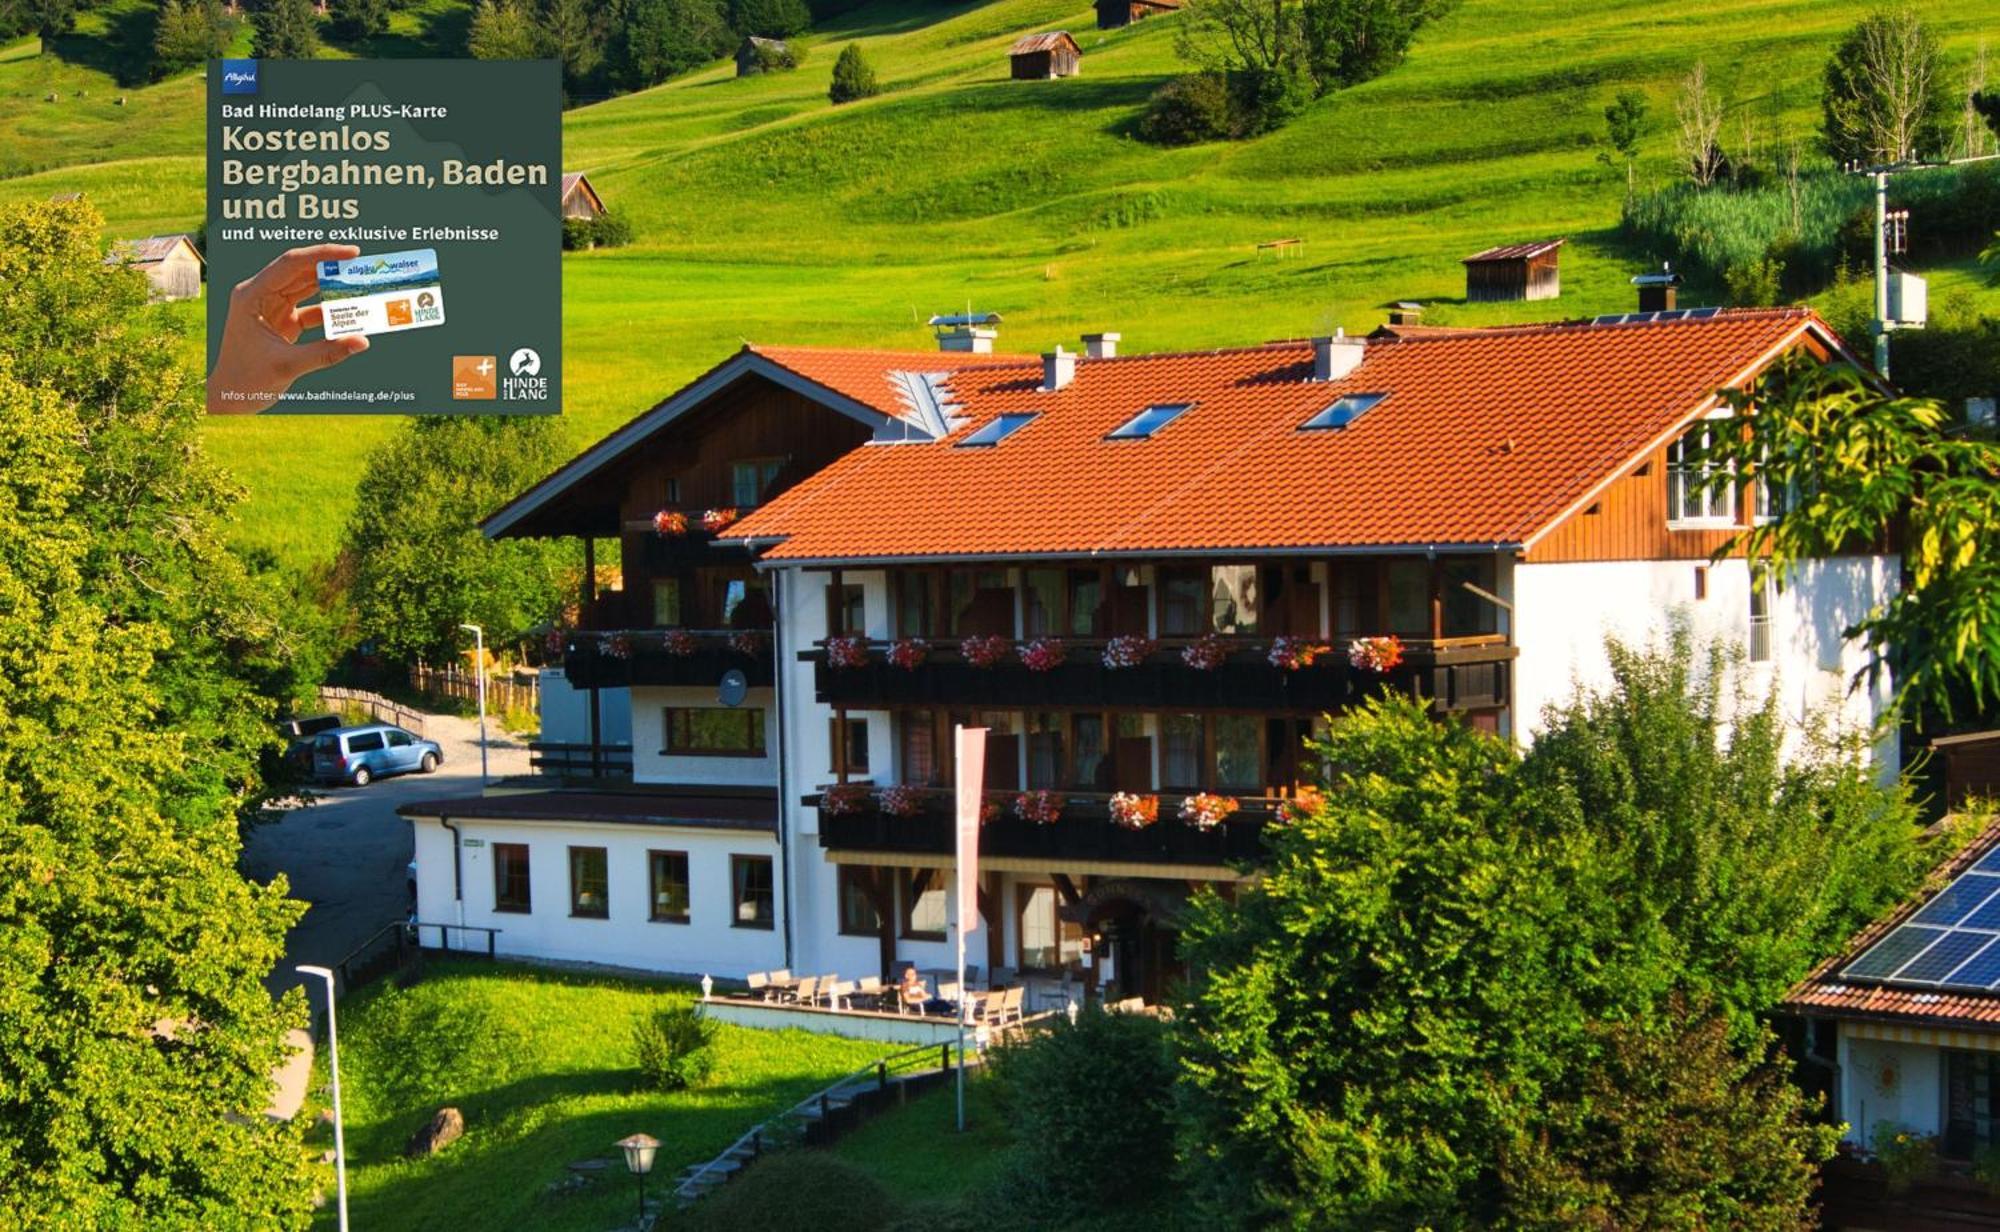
1880 174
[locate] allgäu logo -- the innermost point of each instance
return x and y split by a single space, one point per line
239 76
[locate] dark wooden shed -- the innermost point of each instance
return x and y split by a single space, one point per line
1112 14
762 55
1971 766
1514 271
1040 57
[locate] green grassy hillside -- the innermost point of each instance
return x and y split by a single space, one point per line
764 213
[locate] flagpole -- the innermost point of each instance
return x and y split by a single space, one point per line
970 745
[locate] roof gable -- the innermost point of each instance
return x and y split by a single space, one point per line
1048 40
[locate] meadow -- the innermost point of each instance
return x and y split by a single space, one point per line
762 213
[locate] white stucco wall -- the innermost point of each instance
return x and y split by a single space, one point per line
566 712
650 765
1885 1083
1563 612
708 943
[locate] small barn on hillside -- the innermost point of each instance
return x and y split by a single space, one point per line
579 199
762 55
1041 57
170 262
66 198
1514 271
1112 14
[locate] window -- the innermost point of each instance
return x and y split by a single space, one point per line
1971 1102
1345 410
1239 765
858 916
1149 421
750 892
1410 597
850 736
1467 614
847 609
1047 941
919 751
1086 601
672 496
751 480
713 731
1183 602
510 877
1181 752
923 906
667 602
589 883
1233 599
1045 750
1042 593
995 430
1689 496
746 604
366 742
913 605
982 601
1353 598
669 875
399 740
1760 619
1088 765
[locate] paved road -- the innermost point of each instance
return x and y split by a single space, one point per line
347 854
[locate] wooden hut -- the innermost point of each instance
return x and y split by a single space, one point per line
1112 14
1514 271
1971 767
170 262
762 55
579 199
1045 56
66 198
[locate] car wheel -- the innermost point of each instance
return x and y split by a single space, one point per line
363 776
429 763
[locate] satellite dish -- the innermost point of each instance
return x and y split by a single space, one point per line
733 687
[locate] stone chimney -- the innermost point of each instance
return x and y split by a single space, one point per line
1058 369
1100 346
1657 291
967 334
1337 356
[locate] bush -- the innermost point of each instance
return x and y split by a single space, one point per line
1089 1109
793 1189
675 1046
853 77
606 231
1188 110
1756 285
1906 1155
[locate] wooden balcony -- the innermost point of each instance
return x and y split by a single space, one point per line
1084 832
645 657
1453 674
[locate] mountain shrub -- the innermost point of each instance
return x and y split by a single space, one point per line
1188 110
675 1046
853 77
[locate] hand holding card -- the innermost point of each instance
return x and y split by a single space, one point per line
261 354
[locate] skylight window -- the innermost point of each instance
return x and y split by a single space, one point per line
1345 410
1149 421
995 430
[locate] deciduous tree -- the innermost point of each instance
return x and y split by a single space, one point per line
1884 97
285 30
853 77
502 30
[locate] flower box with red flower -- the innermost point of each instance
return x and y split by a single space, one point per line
747 642
1128 650
845 799
678 642
985 650
1040 808
847 652
1134 812
909 653
1376 654
670 522
1206 653
716 520
618 646
1289 654
902 801
1205 810
989 812
1044 654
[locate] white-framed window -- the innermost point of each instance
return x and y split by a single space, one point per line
1760 619
1689 496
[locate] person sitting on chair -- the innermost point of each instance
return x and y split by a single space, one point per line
912 993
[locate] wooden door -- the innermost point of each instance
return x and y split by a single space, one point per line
1132 762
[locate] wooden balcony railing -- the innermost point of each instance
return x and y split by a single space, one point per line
569 760
1453 674
625 658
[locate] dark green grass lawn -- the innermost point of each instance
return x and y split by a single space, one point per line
540 1064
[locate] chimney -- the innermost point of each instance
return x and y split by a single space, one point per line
1405 312
969 334
1058 369
1337 356
1656 291
1100 346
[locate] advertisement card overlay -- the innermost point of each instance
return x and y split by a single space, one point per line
343 195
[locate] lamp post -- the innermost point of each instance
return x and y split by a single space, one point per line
479 671
639 1150
333 1068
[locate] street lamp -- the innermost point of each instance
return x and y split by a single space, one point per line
479 670
639 1150
333 1067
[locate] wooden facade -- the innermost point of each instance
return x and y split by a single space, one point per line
171 264
579 197
1971 767
1111 14
1514 272
1044 57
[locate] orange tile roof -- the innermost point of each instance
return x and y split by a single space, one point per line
1823 995
1487 436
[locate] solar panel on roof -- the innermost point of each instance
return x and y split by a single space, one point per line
1957 900
1888 955
1980 971
1943 958
1952 941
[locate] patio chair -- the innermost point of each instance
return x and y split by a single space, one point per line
759 983
837 993
778 984
869 989
807 990
912 1001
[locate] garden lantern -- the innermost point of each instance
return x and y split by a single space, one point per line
639 1150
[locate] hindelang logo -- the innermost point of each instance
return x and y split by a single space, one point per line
239 76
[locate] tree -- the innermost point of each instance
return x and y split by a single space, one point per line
136 1032
285 30
421 567
771 19
1348 42
573 33
1849 464
188 35
853 77
1624 121
359 19
657 39
1698 117
51 19
1884 97
502 30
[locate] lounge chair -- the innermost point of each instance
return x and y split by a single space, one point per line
837 993
806 992
760 984
869 989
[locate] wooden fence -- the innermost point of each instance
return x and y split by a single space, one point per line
336 698
502 693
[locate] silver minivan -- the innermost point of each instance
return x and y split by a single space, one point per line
360 755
